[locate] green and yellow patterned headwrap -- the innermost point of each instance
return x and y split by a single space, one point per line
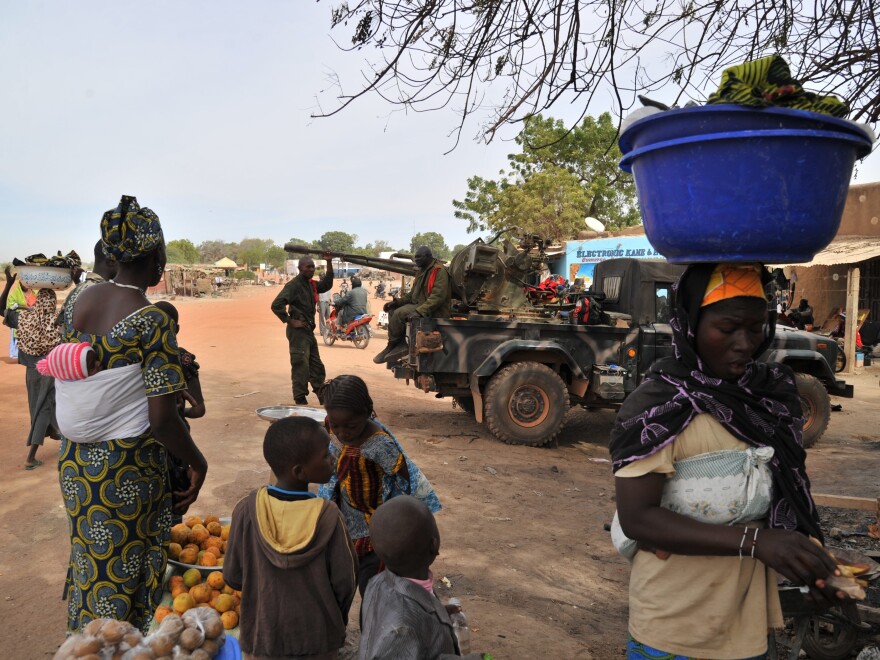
129 231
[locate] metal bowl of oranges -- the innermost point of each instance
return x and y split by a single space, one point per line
199 543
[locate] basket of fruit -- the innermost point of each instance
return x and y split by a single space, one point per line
199 543
191 590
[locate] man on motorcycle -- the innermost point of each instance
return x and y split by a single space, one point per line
352 304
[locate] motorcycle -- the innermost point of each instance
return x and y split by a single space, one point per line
358 331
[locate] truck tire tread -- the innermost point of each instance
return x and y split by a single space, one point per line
497 402
817 407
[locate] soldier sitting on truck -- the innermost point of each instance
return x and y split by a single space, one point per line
430 296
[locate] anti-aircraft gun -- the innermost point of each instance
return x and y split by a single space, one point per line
488 279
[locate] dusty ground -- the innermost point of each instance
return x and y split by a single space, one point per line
523 547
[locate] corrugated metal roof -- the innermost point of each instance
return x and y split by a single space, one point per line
844 250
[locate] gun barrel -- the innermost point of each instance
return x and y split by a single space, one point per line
391 265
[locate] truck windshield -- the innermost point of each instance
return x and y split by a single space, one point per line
661 303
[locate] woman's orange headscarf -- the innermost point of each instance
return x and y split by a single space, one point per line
734 281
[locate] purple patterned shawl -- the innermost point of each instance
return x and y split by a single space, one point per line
762 408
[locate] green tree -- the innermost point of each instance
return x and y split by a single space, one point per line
376 248
211 251
256 251
559 178
276 256
433 240
301 241
458 248
337 241
182 251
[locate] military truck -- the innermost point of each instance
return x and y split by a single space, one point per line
520 374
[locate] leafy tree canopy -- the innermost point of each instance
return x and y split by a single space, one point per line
378 247
559 178
211 251
337 241
434 241
519 58
182 251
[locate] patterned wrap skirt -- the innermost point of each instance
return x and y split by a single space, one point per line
119 517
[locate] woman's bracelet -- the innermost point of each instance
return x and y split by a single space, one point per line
742 542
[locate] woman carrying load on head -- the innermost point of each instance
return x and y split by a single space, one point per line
712 492
36 335
118 425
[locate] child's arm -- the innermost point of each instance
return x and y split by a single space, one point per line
342 566
232 558
193 394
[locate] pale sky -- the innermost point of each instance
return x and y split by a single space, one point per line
201 110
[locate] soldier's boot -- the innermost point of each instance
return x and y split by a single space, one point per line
392 344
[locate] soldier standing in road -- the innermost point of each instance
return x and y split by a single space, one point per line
430 296
295 306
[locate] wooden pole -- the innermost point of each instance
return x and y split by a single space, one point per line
852 318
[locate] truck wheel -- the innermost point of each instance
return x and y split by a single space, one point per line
466 403
526 404
816 405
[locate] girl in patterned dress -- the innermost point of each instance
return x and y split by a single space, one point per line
371 467
113 467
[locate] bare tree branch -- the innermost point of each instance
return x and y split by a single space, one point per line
512 59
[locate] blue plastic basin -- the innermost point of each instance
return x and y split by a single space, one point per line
768 194
723 118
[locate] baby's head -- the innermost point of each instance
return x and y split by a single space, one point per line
404 535
171 311
348 405
73 361
298 451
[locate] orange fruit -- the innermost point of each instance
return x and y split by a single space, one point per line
178 589
204 605
180 534
220 562
213 542
224 532
161 612
227 590
224 603
208 559
229 619
183 602
175 580
187 556
214 528
210 519
215 579
201 593
192 577
174 550
214 550
192 546
192 521
199 533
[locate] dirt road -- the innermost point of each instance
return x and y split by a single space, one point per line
522 542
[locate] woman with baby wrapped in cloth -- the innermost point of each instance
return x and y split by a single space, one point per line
117 426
